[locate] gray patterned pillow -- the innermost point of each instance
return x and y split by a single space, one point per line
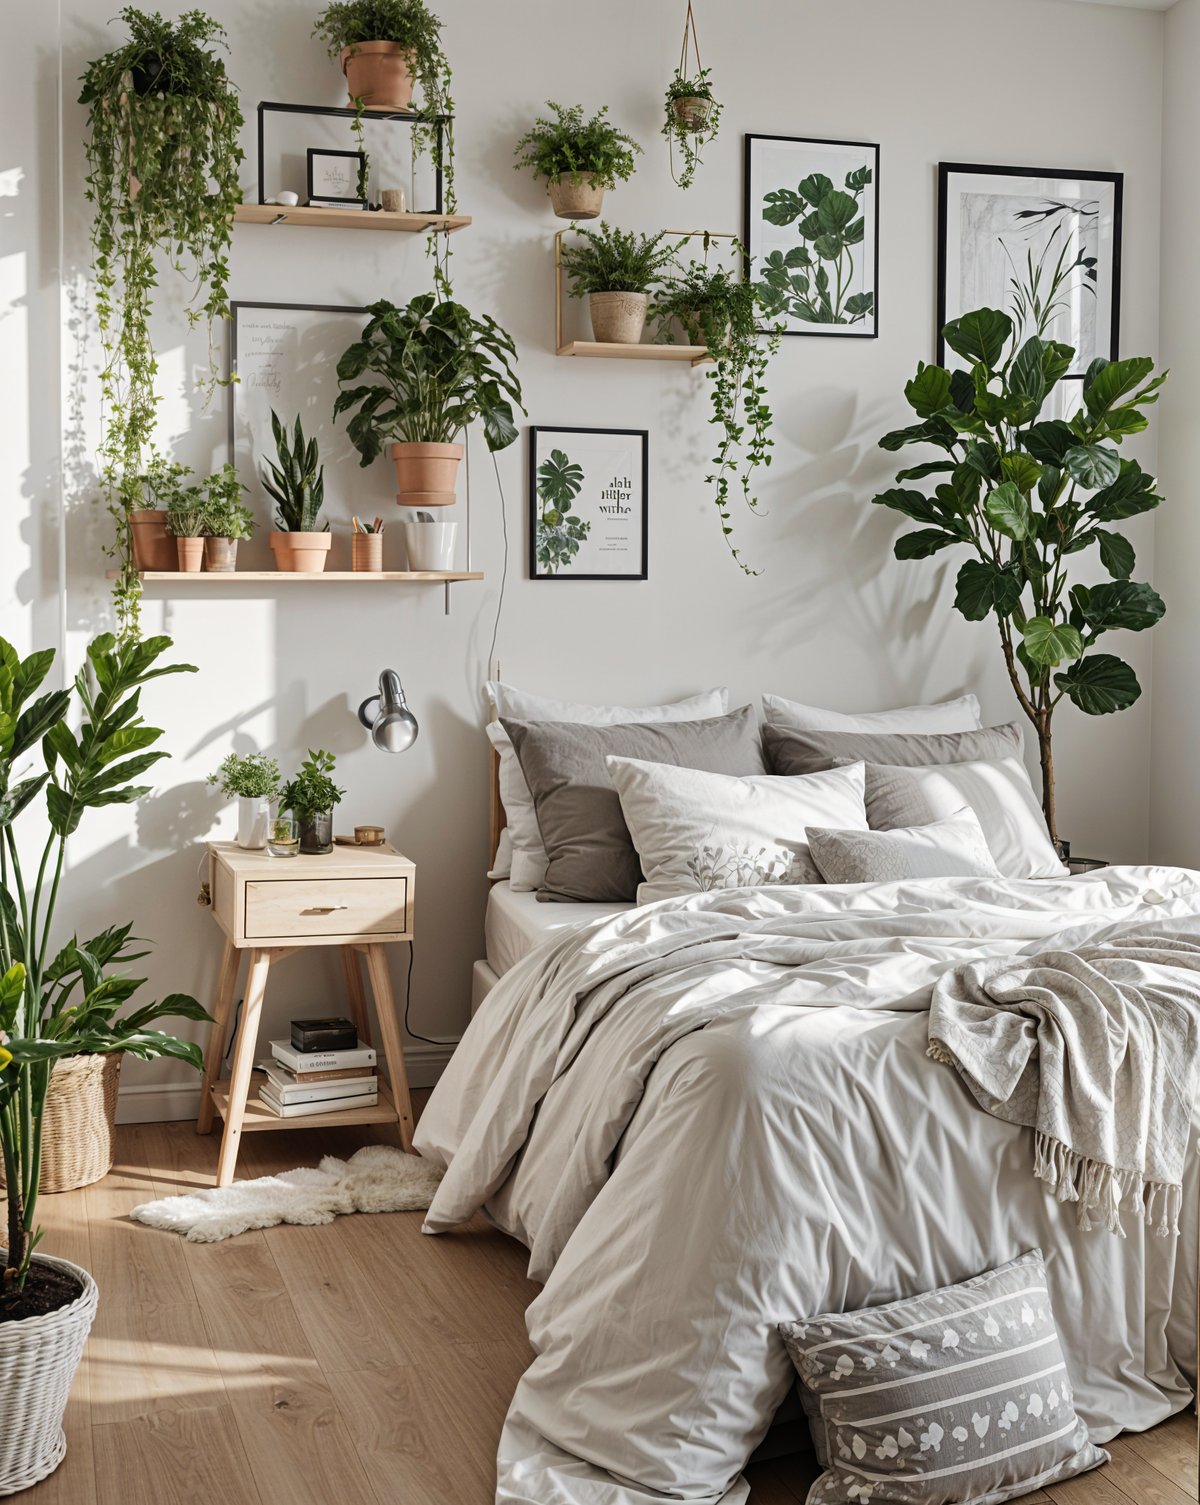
952 848
961 1395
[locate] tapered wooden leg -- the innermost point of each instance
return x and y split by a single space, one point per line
354 993
222 1011
389 1036
243 1064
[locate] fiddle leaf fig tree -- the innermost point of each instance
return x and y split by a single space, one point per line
1025 495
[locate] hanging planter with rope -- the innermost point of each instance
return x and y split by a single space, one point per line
693 112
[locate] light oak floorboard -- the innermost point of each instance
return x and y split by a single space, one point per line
359 1361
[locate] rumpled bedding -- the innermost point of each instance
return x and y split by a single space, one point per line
715 1114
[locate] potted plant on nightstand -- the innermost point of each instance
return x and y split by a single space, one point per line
295 482
227 521
187 522
60 1037
617 269
254 779
434 368
578 158
311 797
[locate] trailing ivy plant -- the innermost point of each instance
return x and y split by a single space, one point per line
559 532
690 126
726 315
812 281
163 159
1024 495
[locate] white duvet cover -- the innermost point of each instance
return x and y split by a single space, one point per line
715 1114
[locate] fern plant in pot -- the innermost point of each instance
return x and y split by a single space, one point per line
432 369
295 482
616 270
577 158
64 1025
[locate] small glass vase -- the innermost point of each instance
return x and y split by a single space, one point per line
316 833
283 839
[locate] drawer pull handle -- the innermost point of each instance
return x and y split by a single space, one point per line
327 908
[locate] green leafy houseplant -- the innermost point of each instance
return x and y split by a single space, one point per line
558 532
66 1002
1025 495
616 261
812 281
248 776
225 516
163 160
693 117
295 480
188 517
576 150
311 797
725 315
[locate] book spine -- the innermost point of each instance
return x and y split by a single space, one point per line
302 1062
304 1110
323 1092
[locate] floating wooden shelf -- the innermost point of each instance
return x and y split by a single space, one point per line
259 1116
696 355
286 577
347 219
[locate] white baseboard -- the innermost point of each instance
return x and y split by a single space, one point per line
147 1103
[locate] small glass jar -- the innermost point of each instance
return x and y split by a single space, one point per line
283 838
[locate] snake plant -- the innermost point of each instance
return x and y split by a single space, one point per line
296 484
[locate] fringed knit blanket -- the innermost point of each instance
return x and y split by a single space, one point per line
1098 1051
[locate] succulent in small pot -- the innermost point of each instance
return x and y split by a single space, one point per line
295 482
578 158
693 117
187 523
228 523
434 368
161 486
617 270
253 779
311 797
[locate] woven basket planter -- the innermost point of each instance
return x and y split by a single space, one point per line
79 1124
38 1360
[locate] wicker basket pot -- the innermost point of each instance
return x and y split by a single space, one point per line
38 1360
79 1123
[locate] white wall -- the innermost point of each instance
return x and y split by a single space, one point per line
833 618
1175 790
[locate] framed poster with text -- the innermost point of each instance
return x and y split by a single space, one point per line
587 503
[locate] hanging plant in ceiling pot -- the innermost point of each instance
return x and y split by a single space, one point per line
577 158
616 270
295 482
693 112
432 369
163 160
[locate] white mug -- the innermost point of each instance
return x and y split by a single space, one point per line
430 546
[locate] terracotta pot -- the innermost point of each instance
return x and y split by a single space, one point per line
220 555
366 552
426 474
153 546
190 552
692 113
618 318
301 553
575 200
380 74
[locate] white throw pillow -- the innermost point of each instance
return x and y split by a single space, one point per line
697 831
952 848
998 791
961 715
522 859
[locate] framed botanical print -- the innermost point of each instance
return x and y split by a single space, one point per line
1041 244
334 176
587 503
811 233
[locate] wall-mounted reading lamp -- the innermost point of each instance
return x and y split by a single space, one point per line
386 716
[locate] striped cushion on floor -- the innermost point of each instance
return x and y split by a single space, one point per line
960 1395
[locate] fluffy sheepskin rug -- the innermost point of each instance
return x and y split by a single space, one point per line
377 1178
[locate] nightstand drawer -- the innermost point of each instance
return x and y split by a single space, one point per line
311 907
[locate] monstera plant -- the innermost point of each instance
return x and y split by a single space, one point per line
559 531
1027 495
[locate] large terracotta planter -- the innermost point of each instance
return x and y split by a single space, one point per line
575 200
618 318
190 553
301 553
153 546
426 474
380 74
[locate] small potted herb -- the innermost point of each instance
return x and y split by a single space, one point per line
161 487
187 522
228 520
254 779
578 158
311 797
295 482
617 269
693 117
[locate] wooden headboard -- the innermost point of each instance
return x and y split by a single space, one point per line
497 820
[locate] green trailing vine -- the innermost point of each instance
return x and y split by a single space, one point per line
163 159
693 119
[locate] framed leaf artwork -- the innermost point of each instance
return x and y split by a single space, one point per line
811 233
587 503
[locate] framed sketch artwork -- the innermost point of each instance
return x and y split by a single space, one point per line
1041 244
587 503
334 176
811 233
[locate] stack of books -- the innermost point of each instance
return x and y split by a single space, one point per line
302 1083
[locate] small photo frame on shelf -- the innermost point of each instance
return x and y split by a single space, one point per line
334 176
587 503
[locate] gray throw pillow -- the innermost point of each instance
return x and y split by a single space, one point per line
961 1395
951 848
794 752
590 852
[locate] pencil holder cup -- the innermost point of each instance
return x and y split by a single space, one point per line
367 551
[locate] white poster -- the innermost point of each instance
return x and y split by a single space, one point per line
587 504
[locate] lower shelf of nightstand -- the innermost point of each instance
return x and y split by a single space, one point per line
259 1116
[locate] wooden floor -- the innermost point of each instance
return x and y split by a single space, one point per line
358 1362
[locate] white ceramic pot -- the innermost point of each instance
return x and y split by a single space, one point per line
254 820
430 546
38 1360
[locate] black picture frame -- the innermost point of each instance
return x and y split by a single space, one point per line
642 533
322 151
816 331
1116 180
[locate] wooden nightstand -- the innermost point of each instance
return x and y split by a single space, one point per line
359 899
